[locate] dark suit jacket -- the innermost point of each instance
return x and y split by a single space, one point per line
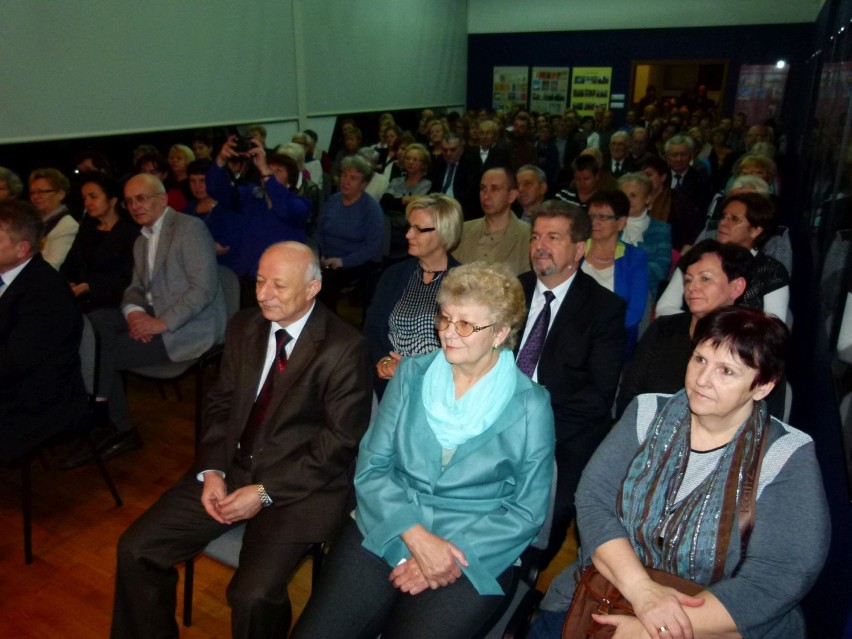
695 188
305 452
581 360
102 260
498 156
465 185
41 388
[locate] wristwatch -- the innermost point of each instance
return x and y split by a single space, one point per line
265 500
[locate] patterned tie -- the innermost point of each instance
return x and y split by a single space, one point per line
528 357
261 404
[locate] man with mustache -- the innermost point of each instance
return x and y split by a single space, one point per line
573 344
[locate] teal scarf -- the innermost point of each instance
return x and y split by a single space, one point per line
682 537
454 421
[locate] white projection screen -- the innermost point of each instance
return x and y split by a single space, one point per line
78 68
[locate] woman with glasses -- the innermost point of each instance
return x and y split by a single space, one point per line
614 264
48 188
452 483
399 320
100 263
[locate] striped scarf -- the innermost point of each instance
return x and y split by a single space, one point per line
688 538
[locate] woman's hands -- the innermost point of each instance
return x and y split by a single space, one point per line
387 365
659 611
437 562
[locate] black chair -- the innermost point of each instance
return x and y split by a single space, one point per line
174 371
78 432
226 550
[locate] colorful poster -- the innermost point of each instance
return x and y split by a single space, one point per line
590 89
511 86
760 91
549 90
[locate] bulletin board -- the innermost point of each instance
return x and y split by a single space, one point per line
549 90
590 89
511 86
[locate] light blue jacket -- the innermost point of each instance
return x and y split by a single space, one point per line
491 499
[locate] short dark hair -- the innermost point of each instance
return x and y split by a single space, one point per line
615 200
758 339
586 163
158 160
511 180
657 164
22 223
736 260
110 187
581 224
279 159
760 212
198 167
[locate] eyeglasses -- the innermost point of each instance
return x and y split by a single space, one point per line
42 191
418 230
140 199
463 328
602 217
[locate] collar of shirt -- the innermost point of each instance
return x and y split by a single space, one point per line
10 275
294 330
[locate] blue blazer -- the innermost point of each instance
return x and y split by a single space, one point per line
491 499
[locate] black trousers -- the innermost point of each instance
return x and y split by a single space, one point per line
355 600
572 455
176 528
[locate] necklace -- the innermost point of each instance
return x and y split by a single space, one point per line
428 272
604 260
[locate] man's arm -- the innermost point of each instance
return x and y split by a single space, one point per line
347 400
192 248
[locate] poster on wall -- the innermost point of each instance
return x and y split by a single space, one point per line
590 89
511 86
760 91
549 90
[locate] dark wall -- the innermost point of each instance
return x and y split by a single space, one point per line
619 48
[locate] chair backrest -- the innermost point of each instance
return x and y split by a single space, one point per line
543 537
89 357
231 289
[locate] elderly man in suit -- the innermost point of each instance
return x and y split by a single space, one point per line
282 427
41 389
173 310
573 344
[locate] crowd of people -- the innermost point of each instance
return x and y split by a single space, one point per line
516 271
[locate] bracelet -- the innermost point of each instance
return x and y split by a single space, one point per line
265 499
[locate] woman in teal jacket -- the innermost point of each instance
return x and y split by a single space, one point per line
453 479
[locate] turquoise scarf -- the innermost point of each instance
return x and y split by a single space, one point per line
454 421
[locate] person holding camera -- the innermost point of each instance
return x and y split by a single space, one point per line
270 212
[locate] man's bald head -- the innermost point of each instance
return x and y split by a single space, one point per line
288 280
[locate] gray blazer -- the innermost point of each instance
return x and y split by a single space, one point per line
184 287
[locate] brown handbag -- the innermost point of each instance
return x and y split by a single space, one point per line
595 594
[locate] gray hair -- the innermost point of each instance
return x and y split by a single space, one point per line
621 135
540 175
357 163
750 183
370 154
294 151
12 181
681 139
636 178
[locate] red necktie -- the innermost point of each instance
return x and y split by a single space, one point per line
261 404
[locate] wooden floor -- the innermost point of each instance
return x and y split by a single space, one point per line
67 591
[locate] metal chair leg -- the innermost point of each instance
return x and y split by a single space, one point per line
103 469
188 584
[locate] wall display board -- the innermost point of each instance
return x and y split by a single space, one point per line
549 90
590 89
760 91
511 86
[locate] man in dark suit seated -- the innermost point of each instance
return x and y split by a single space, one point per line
282 428
41 389
573 343
173 310
453 176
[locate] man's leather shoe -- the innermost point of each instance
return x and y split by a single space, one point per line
109 444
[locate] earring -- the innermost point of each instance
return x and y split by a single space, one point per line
494 346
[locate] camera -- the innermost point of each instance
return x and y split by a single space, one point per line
242 144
